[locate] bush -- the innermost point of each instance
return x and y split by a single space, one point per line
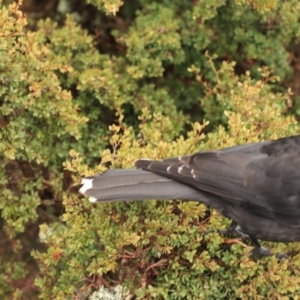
171 78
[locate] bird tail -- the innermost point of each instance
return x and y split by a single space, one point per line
131 184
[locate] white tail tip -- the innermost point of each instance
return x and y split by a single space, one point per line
87 185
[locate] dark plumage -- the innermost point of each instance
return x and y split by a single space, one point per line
255 185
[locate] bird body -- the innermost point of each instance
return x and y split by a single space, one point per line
255 185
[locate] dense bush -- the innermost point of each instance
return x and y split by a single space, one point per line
139 79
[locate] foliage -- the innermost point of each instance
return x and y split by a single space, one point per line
212 76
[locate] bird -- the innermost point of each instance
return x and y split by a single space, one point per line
255 185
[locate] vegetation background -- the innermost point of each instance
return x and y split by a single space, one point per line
87 85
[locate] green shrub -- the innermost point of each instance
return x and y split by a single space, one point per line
186 76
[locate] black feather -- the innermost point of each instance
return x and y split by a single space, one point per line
256 185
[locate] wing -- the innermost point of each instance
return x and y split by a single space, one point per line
262 178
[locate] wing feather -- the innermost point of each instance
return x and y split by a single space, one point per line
262 178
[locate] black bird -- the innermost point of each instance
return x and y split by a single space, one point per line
256 185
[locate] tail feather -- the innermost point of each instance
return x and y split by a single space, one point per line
131 184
